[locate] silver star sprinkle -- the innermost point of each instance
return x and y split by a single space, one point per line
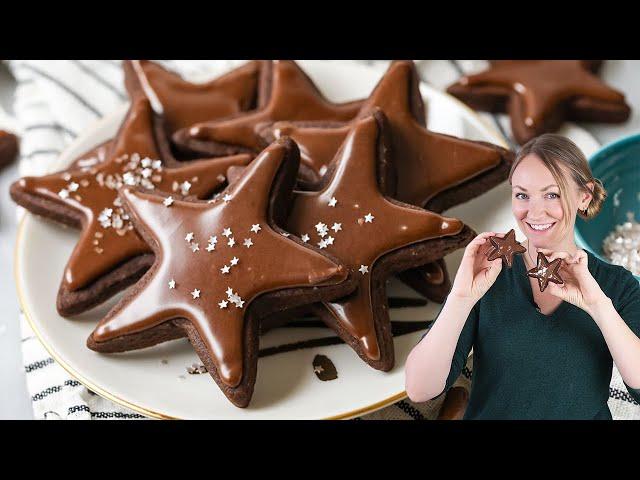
195 248
248 242
255 228
64 194
234 261
189 237
225 269
363 269
305 238
368 218
333 202
227 198
172 284
195 294
211 247
336 227
73 187
185 187
231 242
168 201
329 240
223 304
227 232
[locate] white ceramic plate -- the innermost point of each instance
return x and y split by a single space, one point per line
154 381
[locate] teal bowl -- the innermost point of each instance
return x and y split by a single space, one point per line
617 165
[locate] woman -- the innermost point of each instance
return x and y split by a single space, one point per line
536 355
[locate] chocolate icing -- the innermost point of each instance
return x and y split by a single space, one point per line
544 84
505 247
546 271
370 225
90 194
427 163
214 302
183 103
293 96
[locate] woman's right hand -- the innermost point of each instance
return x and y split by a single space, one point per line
476 273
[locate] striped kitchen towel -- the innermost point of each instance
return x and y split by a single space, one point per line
55 102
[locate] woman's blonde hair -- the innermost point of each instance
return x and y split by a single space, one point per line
556 151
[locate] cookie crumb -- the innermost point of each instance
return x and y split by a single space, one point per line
324 368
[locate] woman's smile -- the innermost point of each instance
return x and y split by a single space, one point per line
540 228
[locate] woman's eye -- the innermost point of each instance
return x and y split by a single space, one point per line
521 196
554 196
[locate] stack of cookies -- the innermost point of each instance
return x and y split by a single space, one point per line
225 206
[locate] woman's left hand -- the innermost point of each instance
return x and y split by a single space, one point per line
579 288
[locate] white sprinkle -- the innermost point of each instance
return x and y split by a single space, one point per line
255 228
320 226
185 187
363 269
168 201
172 284
227 232
305 238
195 248
211 247
285 234
107 212
147 172
229 292
73 186
239 303
227 198
329 241
234 261
64 194
223 304
336 227
231 242
213 239
322 244
129 179
146 162
368 218
333 202
189 237
157 164
195 294
248 242
225 269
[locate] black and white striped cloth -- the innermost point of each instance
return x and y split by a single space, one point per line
55 102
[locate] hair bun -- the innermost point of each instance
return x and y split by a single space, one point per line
599 196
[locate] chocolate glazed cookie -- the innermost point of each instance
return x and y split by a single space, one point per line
218 293
374 235
434 171
540 95
110 255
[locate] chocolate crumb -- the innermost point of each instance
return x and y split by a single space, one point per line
8 148
324 368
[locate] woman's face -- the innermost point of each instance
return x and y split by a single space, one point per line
536 203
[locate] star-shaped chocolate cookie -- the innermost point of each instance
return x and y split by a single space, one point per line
433 170
287 93
546 271
374 235
539 95
505 247
220 267
182 103
110 255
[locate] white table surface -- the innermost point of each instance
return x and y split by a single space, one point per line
14 399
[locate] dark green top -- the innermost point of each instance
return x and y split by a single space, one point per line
528 365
